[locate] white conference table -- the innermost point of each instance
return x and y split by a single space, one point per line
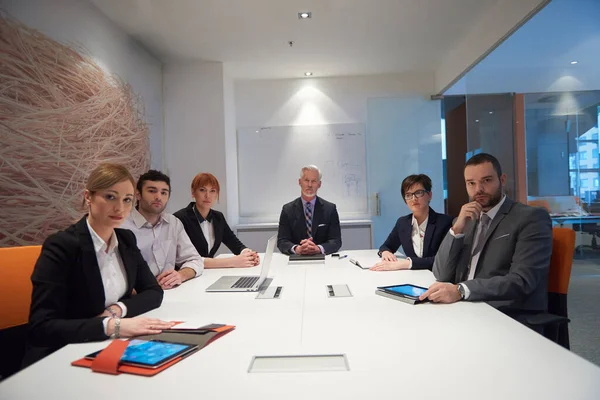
459 351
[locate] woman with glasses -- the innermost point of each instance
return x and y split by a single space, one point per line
420 233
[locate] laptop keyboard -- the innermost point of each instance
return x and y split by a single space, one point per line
245 282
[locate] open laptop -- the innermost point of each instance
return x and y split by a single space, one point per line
247 283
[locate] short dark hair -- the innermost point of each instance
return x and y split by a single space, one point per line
413 180
155 176
482 158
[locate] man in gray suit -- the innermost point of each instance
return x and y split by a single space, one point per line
497 250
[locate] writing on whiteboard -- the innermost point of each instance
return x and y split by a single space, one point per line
275 154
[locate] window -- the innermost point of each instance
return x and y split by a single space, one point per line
578 174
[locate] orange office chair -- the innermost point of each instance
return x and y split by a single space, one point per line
554 323
16 267
539 203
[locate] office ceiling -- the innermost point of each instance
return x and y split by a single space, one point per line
343 37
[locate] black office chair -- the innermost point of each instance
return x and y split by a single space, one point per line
592 229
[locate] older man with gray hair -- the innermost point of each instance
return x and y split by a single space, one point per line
309 224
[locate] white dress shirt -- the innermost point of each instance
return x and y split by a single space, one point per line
417 235
208 230
475 258
112 271
165 244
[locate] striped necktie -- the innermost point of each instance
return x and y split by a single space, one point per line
308 217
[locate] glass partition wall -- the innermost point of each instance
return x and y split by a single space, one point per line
563 166
477 124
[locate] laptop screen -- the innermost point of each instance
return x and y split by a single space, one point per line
264 271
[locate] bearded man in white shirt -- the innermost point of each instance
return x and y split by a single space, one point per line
161 238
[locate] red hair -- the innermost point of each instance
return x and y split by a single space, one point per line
205 179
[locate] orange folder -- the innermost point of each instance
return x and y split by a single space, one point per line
107 361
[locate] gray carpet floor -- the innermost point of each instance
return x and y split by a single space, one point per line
584 308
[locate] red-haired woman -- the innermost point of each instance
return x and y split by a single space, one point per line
207 228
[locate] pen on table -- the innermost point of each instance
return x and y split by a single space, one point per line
344 256
353 261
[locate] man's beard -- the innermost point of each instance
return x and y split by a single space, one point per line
492 200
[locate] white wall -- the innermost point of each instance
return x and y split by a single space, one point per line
230 144
194 101
320 100
80 22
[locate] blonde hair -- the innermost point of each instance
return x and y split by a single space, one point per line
203 179
106 175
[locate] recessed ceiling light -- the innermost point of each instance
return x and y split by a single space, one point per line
308 74
491 112
304 15
573 62
476 120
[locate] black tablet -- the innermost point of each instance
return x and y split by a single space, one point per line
307 257
151 353
406 290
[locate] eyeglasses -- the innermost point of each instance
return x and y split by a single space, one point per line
418 194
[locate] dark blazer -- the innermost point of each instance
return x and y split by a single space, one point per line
223 233
512 270
325 226
437 227
68 293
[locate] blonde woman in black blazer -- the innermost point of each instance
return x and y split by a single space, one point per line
84 279
204 225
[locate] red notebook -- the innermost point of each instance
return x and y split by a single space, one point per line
107 361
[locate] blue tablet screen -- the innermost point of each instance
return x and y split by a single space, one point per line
408 290
150 352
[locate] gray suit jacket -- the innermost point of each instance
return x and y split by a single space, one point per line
512 270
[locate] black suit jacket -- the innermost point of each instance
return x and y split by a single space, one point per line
325 226
68 293
437 227
223 233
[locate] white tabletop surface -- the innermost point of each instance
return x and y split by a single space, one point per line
459 351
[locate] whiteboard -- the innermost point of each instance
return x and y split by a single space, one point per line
270 160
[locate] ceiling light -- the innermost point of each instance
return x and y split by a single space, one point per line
491 112
476 120
304 15
308 74
573 62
